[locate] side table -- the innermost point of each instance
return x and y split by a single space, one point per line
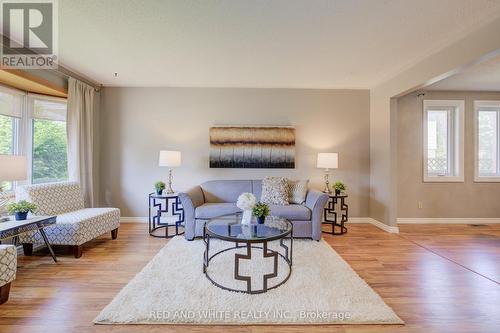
14 228
330 211
169 204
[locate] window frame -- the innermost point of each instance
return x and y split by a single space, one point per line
455 140
478 104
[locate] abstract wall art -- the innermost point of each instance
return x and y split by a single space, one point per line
252 147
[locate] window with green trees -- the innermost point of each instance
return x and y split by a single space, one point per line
49 152
34 125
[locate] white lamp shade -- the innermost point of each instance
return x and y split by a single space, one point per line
12 167
328 161
169 158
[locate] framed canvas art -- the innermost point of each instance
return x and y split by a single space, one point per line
252 147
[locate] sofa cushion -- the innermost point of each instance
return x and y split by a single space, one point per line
218 191
275 191
257 188
297 191
211 210
78 227
291 212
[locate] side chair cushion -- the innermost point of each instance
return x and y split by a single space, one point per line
78 227
53 198
8 264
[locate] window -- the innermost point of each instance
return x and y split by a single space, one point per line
49 162
35 126
487 141
10 113
443 141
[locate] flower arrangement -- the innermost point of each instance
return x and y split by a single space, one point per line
21 209
246 201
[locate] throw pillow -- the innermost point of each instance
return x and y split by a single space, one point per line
297 191
274 191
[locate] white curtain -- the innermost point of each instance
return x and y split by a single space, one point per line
80 128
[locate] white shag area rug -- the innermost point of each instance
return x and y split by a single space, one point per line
172 289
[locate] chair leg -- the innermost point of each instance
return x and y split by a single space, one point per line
77 251
114 233
28 249
4 293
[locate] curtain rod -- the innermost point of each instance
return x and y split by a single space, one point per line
68 73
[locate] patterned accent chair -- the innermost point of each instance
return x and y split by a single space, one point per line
8 268
75 224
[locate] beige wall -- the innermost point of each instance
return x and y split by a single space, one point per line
475 47
440 200
138 122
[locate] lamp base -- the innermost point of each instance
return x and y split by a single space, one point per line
170 178
327 183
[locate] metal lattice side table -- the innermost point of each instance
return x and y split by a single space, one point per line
331 211
169 205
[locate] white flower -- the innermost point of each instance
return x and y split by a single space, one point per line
246 201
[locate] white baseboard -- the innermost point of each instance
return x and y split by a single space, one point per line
138 219
378 224
354 220
451 220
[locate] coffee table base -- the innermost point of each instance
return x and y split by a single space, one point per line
267 253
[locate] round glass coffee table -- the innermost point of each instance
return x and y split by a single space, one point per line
245 239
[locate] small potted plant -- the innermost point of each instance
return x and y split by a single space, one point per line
261 210
339 188
21 209
159 187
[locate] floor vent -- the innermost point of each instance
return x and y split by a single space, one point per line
478 225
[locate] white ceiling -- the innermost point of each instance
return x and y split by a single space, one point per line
259 43
482 77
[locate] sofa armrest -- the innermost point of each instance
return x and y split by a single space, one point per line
193 197
316 201
190 200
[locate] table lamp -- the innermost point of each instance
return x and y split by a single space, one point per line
12 167
327 161
171 159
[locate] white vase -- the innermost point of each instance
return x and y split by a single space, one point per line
247 217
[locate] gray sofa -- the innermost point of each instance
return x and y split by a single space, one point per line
218 197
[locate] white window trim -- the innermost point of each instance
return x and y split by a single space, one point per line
458 149
477 106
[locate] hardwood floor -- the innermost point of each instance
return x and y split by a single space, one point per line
437 278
